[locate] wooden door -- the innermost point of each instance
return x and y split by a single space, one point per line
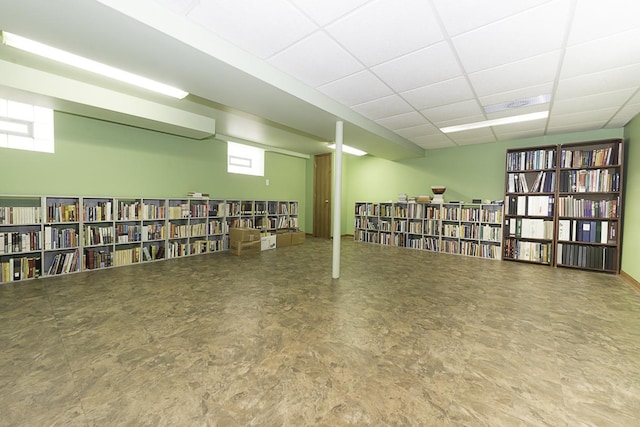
322 195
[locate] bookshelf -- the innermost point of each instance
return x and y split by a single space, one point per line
43 236
455 228
564 205
153 217
530 194
590 205
20 238
62 238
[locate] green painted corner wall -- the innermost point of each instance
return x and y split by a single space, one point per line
99 158
477 171
631 224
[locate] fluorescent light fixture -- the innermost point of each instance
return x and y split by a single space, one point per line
58 55
497 122
349 150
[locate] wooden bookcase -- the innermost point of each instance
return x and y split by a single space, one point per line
44 236
530 194
563 205
455 228
589 221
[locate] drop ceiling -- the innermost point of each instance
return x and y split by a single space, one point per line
281 72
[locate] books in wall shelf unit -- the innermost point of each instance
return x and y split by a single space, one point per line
21 238
42 236
455 228
577 224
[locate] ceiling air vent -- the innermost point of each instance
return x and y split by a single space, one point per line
518 103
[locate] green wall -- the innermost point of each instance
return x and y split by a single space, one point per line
98 158
631 226
477 172
468 172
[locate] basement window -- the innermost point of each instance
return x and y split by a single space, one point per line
245 159
26 127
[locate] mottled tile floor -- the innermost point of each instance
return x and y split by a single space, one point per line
404 337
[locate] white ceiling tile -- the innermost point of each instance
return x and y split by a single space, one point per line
471 134
356 88
513 95
624 115
532 126
403 121
383 107
520 134
260 27
430 65
604 81
446 92
383 30
538 70
573 127
418 131
461 140
326 11
460 16
619 50
457 111
181 7
597 118
534 32
596 101
459 121
595 19
316 60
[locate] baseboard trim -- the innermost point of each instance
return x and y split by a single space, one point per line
630 280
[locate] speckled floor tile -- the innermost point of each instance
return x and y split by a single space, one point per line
404 337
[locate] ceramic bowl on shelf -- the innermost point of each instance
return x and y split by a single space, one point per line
438 189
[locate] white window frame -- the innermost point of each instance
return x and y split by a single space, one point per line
26 127
245 159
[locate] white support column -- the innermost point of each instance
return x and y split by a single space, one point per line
337 201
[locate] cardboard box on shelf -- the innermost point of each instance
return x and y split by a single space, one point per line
243 234
244 248
283 239
268 242
297 237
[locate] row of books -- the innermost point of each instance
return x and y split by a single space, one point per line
60 238
527 251
126 233
592 180
136 210
20 215
531 160
96 258
101 211
126 256
584 256
19 268
570 206
590 158
604 232
544 182
98 235
63 262
530 205
16 241
63 212
530 228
